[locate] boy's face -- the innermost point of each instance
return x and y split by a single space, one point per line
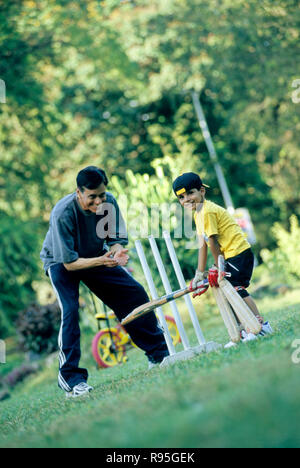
193 197
92 199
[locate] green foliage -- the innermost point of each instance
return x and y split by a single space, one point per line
19 374
18 267
38 327
284 261
107 83
238 56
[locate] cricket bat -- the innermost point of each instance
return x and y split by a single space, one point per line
150 306
227 315
243 312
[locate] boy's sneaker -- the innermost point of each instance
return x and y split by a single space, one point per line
244 338
79 390
266 329
229 345
248 337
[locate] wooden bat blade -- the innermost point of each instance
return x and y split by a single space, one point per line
227 315
152 305
241 309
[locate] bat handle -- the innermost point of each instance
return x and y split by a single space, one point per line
221 267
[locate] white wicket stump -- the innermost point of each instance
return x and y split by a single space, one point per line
188 351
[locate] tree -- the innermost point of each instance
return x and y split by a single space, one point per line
108 83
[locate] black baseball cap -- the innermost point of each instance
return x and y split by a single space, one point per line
186 182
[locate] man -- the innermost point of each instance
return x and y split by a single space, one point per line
85 242
220 232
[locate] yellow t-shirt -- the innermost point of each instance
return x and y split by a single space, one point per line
215 220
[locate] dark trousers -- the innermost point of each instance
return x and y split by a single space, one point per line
120 292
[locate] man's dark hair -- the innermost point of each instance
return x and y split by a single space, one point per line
91 177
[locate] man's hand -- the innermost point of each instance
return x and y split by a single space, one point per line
121 257
108 260
116 248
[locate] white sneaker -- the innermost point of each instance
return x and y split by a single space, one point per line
266 329
229 345
248 337
79 390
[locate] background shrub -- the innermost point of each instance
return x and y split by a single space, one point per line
38 328
284 261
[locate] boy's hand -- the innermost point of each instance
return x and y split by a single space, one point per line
201 290
213 275
198 278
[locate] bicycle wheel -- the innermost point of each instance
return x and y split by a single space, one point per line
173 330
106 349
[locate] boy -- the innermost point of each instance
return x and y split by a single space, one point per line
83 227
218 230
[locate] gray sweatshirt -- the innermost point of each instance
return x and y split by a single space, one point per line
75 233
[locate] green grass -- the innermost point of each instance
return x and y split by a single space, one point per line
243 397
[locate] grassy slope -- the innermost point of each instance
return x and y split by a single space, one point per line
244 397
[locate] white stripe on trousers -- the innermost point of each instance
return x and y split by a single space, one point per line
62 358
